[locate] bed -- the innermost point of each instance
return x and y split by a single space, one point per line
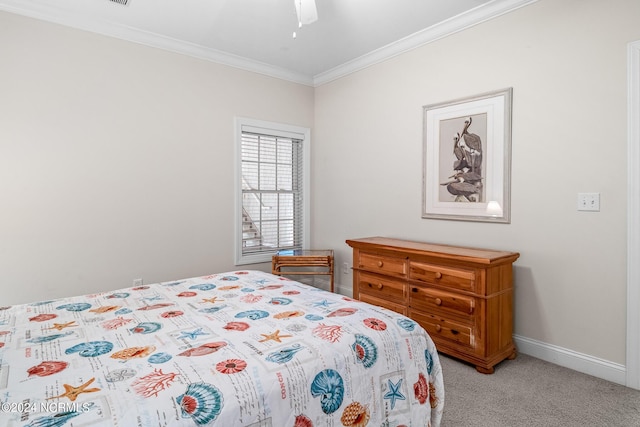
243 348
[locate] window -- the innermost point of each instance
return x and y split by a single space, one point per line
272 186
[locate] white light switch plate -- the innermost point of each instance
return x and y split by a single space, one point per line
589 202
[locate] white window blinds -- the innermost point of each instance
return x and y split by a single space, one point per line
272 190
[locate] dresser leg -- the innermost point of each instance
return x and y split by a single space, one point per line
513 355
484 370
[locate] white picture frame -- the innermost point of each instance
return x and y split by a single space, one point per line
467 158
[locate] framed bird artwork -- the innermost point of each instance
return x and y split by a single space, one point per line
467 158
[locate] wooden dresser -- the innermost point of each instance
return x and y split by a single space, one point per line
462 296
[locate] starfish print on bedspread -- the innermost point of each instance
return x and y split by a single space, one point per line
61 326
73 392
212 300
274 336
394 392
323 303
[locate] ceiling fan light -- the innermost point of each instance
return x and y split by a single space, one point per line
306 11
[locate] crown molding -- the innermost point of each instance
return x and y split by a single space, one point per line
443 29
110 29
453 25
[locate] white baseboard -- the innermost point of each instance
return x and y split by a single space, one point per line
580 362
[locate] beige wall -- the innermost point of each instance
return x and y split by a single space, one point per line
116 160
566 61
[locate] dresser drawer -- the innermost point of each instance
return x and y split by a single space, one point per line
445 329
398 308
457 278
383 264
381 287
434 301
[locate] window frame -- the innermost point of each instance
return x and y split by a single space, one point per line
273 129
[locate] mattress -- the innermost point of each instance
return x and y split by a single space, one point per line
243 348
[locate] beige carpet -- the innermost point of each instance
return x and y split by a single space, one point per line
533 393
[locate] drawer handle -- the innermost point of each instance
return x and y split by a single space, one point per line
438 328
438 301
380 263
414 289
378 286
438 275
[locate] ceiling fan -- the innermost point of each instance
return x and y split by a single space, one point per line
306 11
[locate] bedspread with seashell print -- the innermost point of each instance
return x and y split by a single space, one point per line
242 348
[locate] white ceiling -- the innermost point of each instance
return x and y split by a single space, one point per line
258 34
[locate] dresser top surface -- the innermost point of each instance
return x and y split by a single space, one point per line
484 256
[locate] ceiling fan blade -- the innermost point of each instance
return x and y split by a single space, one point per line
306 10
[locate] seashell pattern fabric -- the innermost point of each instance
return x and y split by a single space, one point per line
241 348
